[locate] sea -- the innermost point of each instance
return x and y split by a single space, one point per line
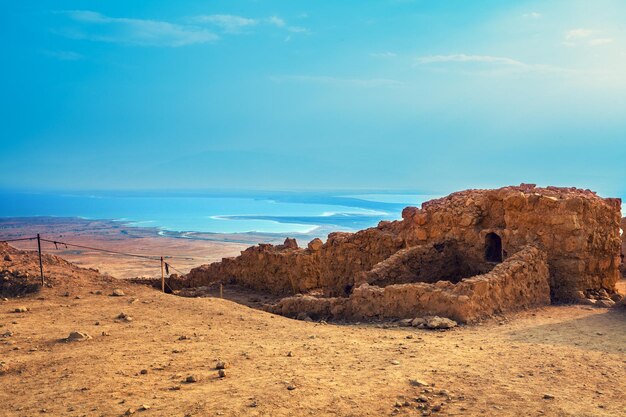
272 212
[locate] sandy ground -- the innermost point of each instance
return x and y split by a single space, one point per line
183 254
510 366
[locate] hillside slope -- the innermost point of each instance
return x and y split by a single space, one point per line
556 361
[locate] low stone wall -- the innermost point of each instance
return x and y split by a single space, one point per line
520 282
286 269
443 261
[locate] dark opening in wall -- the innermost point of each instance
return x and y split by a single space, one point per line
493 248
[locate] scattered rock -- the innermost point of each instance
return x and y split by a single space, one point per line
418 383
8 258
289 354
422 399
117 293
405 322
221 365
605 303
548 396
395 362
130 411
437 322
291 387
616 298
144 407
78 337
21 309
418 322
143 371
124 317
221 373
191 379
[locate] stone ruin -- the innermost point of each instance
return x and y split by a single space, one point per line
623 254
466 256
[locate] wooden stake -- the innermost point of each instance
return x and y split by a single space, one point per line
162 276
40 263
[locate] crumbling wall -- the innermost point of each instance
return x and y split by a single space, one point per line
577 229
287 269
623 252
444 261
521 281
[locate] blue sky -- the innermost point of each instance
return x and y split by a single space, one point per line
422 95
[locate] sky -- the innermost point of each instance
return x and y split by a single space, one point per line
424 95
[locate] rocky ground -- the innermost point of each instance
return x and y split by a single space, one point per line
146 353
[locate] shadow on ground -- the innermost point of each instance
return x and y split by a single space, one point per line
604 332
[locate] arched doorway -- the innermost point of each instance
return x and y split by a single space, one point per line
493 248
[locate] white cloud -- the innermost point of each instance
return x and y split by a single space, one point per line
276 21
431 59
383 54
575 34
496 64
228 23
532 15
297 29
600 41
95 26
281 23
356 82
143 32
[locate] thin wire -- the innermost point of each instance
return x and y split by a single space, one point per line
150 257
154 258
16 240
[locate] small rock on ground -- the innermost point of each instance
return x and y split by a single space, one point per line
117 293
78 337
437 322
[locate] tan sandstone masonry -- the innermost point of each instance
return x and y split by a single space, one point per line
519 282
577 229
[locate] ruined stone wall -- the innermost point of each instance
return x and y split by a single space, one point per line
623 254
426 263
521 281
577 229
285 269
